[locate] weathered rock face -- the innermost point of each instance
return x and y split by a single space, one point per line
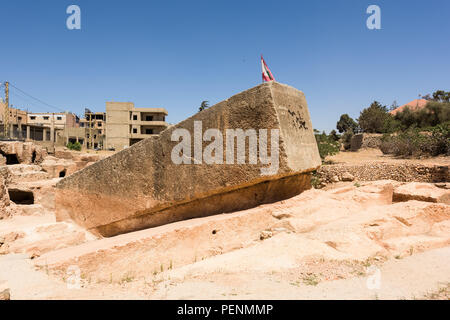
65 163
58 168
372 171
142 186
4 197
4 291
365 140
15 152
26 172
421 192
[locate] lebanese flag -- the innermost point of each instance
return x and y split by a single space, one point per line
266 74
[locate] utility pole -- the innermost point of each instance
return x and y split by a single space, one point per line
52 129
6 120
90 131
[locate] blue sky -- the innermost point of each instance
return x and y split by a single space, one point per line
174 54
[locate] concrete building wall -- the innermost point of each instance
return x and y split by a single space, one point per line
46 119
126 125
72 121
59 119
117 128
15 115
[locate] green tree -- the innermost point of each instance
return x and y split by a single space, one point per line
373 118
346 123
334 135
204 105
326 144
441 96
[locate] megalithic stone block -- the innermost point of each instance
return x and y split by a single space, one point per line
145 185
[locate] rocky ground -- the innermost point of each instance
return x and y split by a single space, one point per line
352 239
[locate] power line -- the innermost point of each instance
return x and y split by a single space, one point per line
39 100
26 100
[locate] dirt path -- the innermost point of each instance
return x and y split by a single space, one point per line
375 155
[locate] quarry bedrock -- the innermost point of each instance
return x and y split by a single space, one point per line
141 187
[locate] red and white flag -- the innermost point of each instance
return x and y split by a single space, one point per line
266 74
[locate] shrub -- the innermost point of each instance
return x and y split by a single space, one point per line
347 139
333 135
435 113
405 144
74 146
413 143
439 141
327 145
391 125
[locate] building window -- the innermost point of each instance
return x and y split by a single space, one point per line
87 135
20 118
82 124
33 117
58 118
46 118
95 136
148 131
134 130
148 118
134 117
99 124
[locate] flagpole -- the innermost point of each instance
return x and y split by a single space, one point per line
262 77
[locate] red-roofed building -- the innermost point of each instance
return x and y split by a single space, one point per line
414 105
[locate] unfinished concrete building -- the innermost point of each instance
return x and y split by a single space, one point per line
43 128
94 120
94 124
59 120
126 125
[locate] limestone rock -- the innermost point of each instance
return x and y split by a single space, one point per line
22 152
398 171
142 187
297 225
4 196
7 240
58 167
43 192
442 185
347 177
422 192
380 192
282 214
5 293
265 235
64 154
31 210
26 173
